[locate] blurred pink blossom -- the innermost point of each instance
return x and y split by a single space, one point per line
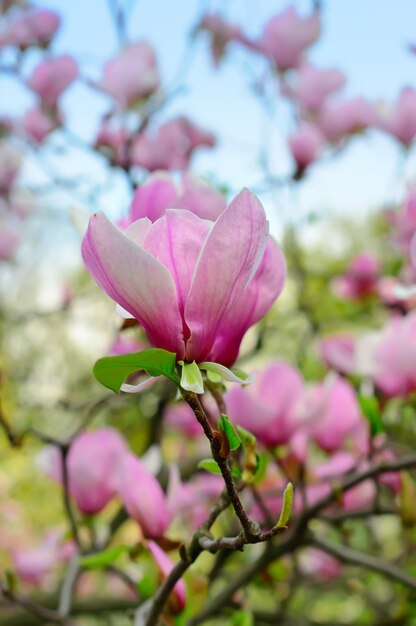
143 497
34 565
10 162
221 34
361 278
165 565
287 36
9 239
332 413
51 77
338 351
338 119
267 407
37 125
32 27
132 74
399 119
160 192
310 86
306 144
319 565
171 146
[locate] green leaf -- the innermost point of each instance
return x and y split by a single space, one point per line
286 507
261 469
226 427
210 466
191 378
247 438
112 371
242 618
102 559
371 410
233 376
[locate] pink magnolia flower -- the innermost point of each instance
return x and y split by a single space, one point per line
93 462
181 417
171 146
221 34
51 77
37 125
33 27
339 119
143 497
190 502
361 278
332 413
126 345
113 141
404 220
34 565
306 145
267 407
195 286
399 120
132 74
10 161
9 240
160 193
311 86
337 351
165 566
394 357
287 36
318 565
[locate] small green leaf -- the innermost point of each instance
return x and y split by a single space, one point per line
371 410
191 378
210 466
226 427
286 507
104 558
242 618
261 469
213 377
247 437
233 376
112 371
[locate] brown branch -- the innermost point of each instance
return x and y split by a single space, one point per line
353 557
44 614
250 528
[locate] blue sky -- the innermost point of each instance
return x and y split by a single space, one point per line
366 39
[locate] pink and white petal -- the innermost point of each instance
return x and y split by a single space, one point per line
227 262
252 305
135 280
176 240
152 199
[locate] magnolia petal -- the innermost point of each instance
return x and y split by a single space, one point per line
232 376
145 384
228 260
136 281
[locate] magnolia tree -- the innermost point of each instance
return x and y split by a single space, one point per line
251 458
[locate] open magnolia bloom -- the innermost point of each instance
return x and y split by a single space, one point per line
194 285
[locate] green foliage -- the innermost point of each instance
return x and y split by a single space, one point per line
112 371
100 560
286 507
228 429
